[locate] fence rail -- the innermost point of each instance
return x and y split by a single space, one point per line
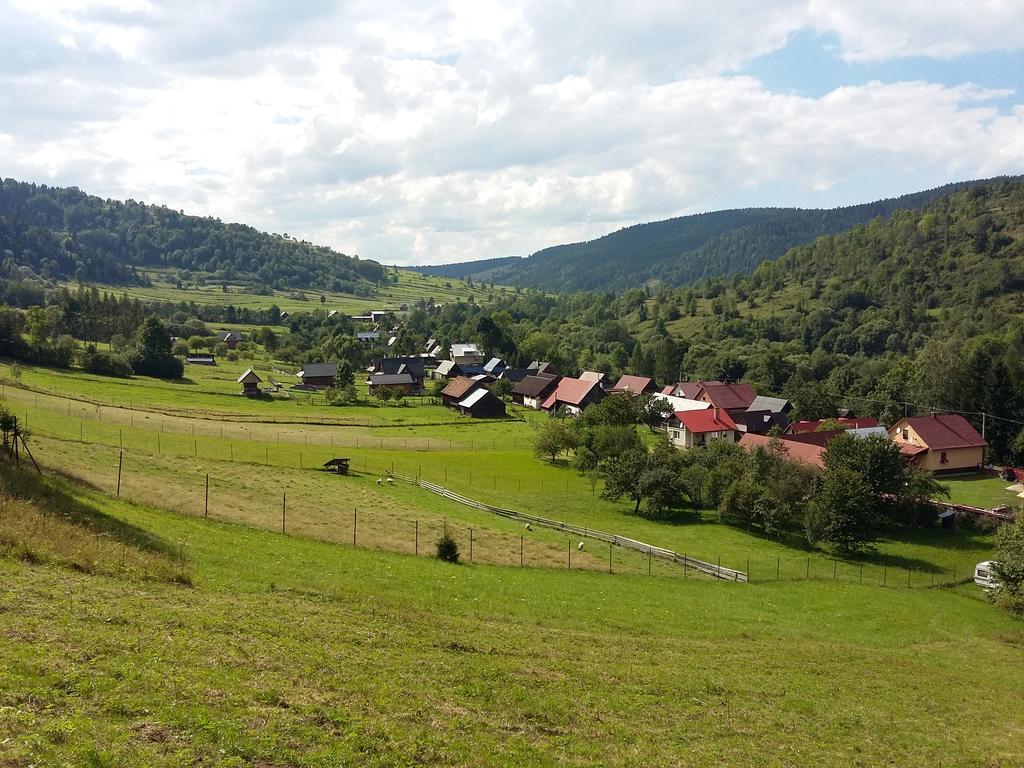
711 569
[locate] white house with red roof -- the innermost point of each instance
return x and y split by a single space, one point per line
696 429
572 396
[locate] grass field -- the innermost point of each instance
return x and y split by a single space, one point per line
411 287
981 491
292 652
256 453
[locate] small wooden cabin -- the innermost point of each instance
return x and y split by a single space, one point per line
250 383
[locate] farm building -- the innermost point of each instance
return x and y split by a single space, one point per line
402 382
531 391
941 442
763 415
495 367
369 338
731 398
572 396
231 338
318 374
250 383
695 429
338 466
481 404
539 366
416 366
594 376
446 369
457 390
467 354
201 359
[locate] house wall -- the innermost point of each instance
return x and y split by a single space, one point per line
683 438
955 458
318 381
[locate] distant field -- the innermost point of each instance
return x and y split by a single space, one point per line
290 651
173 434
411 287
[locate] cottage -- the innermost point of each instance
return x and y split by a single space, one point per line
690 429
688 389
531 391
250 383
481 404
734 399
495 367
539 366
368 338
457 390
199 359
231 338
318 375
446 369
572 396
634 385
466 354
416 366
402 382
594 376
941 442
805 453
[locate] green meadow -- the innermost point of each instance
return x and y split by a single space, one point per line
282 650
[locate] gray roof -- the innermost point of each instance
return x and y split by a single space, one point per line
367 335
317 370
445 367
493 363
772 404
868 431
390 379
462 350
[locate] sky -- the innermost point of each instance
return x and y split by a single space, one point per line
434 132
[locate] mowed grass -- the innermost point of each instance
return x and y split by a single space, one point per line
981 491
410 288
290 651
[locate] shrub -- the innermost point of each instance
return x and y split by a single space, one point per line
447 548
105 363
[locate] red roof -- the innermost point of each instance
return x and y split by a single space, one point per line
804 452
909 449
570 392
691 389
799 427
944 431
734 396
668 390
634 385
706 420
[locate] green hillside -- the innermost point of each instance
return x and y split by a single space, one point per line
63 233
271 650
683 250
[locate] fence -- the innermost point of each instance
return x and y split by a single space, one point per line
710 569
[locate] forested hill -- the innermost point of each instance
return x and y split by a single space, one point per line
63 233
477 270
683 250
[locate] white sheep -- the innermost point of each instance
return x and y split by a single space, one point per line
391 481
580 547
380 481
529 527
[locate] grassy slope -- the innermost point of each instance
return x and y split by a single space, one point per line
294 652
251 463
411 287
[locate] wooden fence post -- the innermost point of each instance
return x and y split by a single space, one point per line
355 516
471 545
120 460
206 509
284 499
570 555
522 540
417 550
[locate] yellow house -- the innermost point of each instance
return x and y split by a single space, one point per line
941 442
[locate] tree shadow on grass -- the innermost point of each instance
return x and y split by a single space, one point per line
53 500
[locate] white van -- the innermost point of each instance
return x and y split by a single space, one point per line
984 576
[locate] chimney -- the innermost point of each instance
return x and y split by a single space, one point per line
716 413
934 415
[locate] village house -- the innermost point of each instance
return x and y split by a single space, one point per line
634 385
539 366
805 453
594 376
531 391
250 383
446 369
763 415
941 442
734 399
801 427
481 403
402 382
495 367
466 354
572 396
318 375
416 366
457 389
231 338
201 359
696 429
687 389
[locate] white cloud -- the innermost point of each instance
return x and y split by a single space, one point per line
440 131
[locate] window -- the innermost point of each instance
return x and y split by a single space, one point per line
943 459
